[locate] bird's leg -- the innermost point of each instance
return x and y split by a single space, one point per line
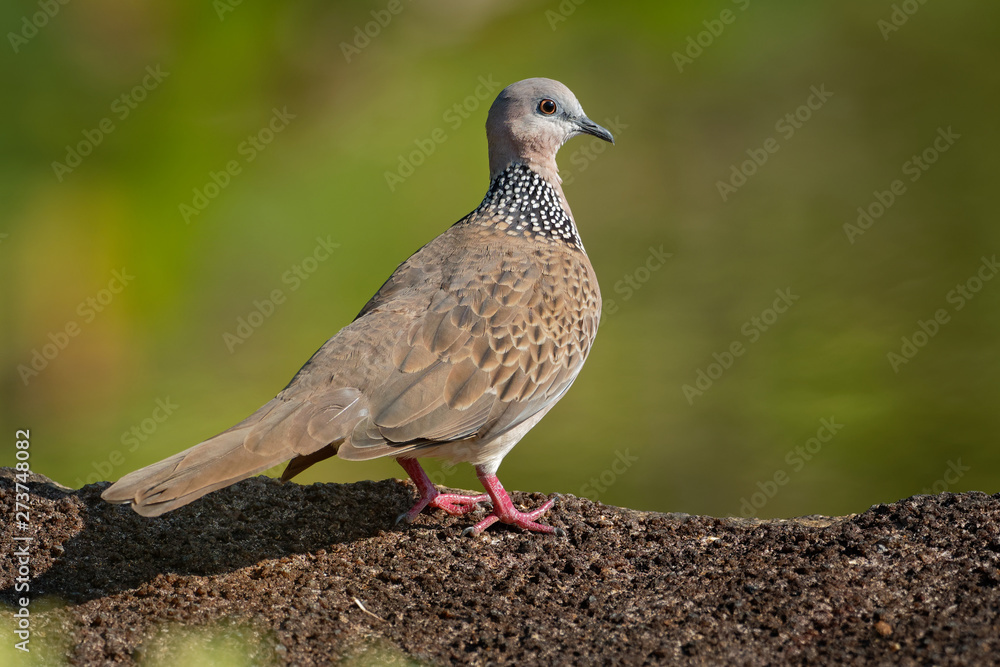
503 509
452 503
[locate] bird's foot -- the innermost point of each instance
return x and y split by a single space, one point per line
452 503
457 505
503 510
524 520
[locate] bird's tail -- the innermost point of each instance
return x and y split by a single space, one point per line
280 430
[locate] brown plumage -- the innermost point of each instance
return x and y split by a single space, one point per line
466 346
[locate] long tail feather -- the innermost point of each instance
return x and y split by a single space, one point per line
281 430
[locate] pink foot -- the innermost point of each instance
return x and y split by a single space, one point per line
503 510
452 503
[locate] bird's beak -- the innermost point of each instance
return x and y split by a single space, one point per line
587 126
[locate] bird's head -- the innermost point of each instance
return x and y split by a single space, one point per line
530 120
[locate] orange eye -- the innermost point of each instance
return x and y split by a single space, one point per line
547 107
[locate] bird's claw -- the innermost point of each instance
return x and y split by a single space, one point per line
523 520
452 503
457 505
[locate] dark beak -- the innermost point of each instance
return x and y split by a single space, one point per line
588 126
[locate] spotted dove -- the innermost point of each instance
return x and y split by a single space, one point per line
465 348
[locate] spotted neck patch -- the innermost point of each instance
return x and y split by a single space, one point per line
522 203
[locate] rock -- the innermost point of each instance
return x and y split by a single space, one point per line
288 574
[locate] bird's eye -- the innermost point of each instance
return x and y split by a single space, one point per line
547 107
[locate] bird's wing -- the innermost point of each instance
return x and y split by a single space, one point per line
495 336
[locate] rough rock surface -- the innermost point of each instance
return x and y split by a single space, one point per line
307 575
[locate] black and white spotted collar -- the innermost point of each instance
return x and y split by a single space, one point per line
522 203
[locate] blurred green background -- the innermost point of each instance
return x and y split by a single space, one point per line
141 103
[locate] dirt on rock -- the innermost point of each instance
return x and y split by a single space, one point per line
309 575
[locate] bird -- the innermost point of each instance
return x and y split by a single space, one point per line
466 346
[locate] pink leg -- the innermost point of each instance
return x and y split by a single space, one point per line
452 503
503 509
